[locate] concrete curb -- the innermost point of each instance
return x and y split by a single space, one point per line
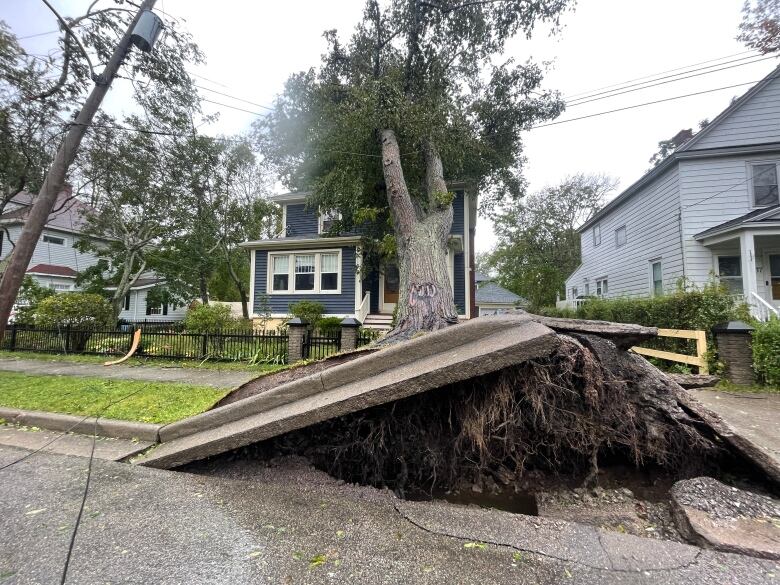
53 421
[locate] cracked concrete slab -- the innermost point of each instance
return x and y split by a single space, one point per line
284 524
70 443
434 360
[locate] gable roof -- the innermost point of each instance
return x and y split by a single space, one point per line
52 270
492 294
765 216
733 107
686 150
68 214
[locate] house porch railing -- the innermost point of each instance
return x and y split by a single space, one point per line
761 309
365 307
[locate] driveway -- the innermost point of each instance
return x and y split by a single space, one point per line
203 377
290 524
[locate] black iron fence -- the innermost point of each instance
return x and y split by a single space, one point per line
366 336
318 345
233 345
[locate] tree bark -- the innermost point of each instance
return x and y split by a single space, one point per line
425 300
239 284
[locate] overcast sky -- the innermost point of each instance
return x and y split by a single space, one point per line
252 47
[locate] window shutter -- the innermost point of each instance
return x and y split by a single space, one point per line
165 308
148 309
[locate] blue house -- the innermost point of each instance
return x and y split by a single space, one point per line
305 263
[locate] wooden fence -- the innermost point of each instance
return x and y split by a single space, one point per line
701 349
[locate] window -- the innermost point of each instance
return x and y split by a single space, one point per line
329 272
730 273
774 274
53 240
601 287
281 272
574 292
765 184
157 309
597 235
127 302
327 219
304 272
620 236
587 289
656 278
59 287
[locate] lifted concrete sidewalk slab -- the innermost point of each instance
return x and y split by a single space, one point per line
431 361
70 444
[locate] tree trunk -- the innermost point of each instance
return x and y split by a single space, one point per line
425 301
239 285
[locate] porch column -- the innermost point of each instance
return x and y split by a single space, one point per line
747 249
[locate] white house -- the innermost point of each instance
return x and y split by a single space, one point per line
710 210
55 262
137 308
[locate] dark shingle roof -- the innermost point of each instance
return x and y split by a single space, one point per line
492 294
53 270
69 213
753 217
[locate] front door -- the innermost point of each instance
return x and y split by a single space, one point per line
390 281
774 277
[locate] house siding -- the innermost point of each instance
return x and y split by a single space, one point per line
459 284
301 221
757 121
651 218
458 215
340 304
137 310
45 253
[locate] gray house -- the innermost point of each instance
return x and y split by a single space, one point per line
305 263
710 210
56 261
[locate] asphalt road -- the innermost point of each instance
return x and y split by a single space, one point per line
290 524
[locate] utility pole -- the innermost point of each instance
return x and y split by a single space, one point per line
55 178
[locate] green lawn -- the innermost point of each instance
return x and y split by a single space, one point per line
140 361
153 402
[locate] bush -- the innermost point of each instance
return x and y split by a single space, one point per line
30 295
310 311
329 325
74 309
766 352
684 309
208 318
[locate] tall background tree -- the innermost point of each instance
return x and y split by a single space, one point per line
538 244
760 27
420 92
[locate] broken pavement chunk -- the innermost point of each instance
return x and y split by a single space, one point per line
715 515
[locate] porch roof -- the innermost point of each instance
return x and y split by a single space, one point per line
764 217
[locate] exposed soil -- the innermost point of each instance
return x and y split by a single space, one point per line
269 381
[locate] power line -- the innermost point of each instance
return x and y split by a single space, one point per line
660 82
40 34
233 97
616 85
642 105
235 107
729 189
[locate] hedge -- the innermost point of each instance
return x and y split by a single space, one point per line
766 351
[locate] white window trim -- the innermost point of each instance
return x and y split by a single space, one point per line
595 243
599 284
741 277
321 219
652 280
291 272
751 192
625 230
48 235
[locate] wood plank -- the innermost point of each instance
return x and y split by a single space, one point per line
668 355
681 333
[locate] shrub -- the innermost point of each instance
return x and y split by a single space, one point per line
76 313
310 311
207 318
766 351
329 325
30 295
74 309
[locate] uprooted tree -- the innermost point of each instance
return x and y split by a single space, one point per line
414 96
